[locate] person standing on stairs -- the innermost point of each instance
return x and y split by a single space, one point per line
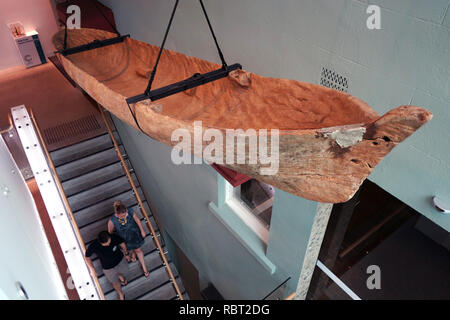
111 259
127 224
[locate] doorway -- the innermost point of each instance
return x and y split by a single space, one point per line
188 272
375 235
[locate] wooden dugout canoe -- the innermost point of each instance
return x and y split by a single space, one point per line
329 141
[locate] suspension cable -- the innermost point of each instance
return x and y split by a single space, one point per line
152 75
224 64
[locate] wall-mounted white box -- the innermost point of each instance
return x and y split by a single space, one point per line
30 49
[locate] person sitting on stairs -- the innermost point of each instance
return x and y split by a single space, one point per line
111 259
127 224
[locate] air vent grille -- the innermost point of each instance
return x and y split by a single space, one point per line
331 79
71 129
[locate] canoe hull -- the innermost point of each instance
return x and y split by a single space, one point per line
313 163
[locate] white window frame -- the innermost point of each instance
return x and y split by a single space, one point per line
226 210
232 199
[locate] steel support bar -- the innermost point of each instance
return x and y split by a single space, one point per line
92 45
192 82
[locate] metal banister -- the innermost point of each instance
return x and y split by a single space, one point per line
10 125
291 296
64 198
141 205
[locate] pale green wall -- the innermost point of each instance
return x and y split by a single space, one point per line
290 229
407 62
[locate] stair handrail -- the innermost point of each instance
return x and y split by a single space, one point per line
10 125
291 296
141 205
64 198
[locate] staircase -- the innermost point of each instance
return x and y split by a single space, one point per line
92 177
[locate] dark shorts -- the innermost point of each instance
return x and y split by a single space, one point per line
113 274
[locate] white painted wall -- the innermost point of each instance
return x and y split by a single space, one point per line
34 15
406 62
26 253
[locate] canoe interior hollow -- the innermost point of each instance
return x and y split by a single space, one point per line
262 103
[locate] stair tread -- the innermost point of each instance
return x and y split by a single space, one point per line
92 179
165 292
105 208
143 286
90 232
82 166
153 262
99 193
82 149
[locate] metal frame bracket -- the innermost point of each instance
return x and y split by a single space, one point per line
92 45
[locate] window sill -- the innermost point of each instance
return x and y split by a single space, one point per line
243 234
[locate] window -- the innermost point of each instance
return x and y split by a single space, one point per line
252 201
258 197
244 221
